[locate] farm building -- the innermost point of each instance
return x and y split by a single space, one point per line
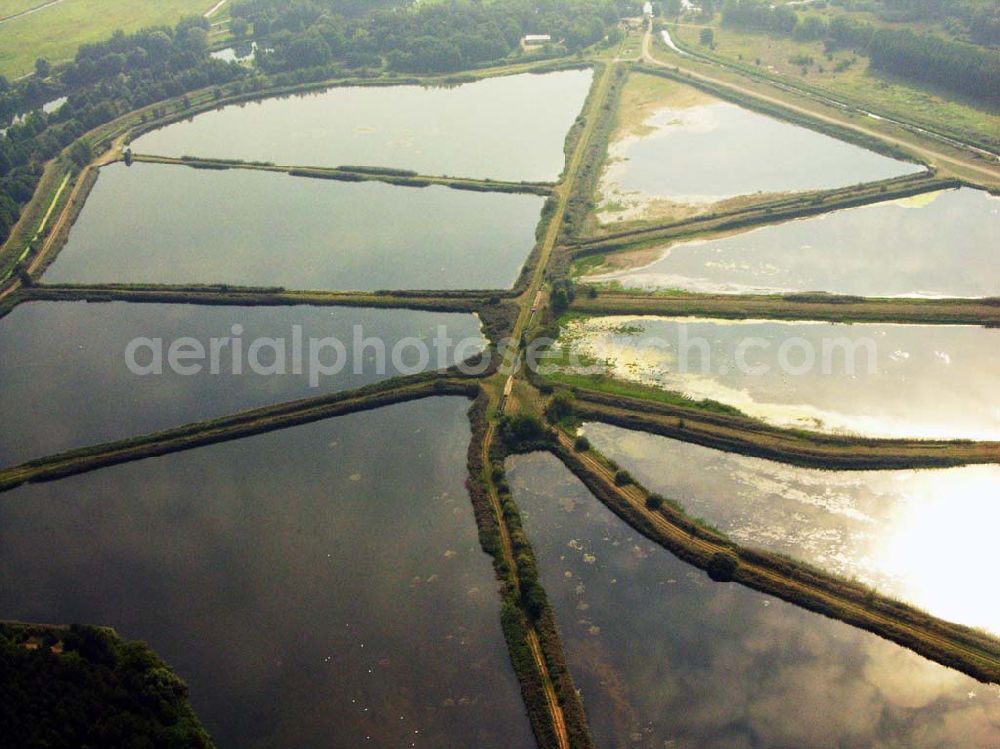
535 40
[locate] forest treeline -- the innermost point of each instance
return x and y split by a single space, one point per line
977 19
967 69
82 686
299 41
433 38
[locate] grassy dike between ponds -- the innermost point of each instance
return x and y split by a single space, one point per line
48 240
779 210
735 433
496 315
557 716
27 232
243 424
603 119
552 218
555 710
970 651
11 300
812 307
259 296
397 177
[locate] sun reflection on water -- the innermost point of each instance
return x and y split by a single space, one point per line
928 394
922 536
942 546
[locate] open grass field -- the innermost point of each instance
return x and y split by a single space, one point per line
853 78
55 32
13 7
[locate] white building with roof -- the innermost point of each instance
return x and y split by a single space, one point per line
535 40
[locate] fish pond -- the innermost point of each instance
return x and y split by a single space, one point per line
941 244
307 595
881 380
158 223
244 51
508 127
675 145
905 533
67 381
665 657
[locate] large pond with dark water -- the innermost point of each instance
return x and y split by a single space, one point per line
664 657
941 244
509 127
308 595
67 381
906 533
174 224
878 380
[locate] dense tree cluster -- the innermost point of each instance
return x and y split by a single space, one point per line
969 70
979 19
99 691
428 38
963 68
757 15
521 428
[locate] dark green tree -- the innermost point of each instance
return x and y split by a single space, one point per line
722 566
239 27
562 408
81 153
560 300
